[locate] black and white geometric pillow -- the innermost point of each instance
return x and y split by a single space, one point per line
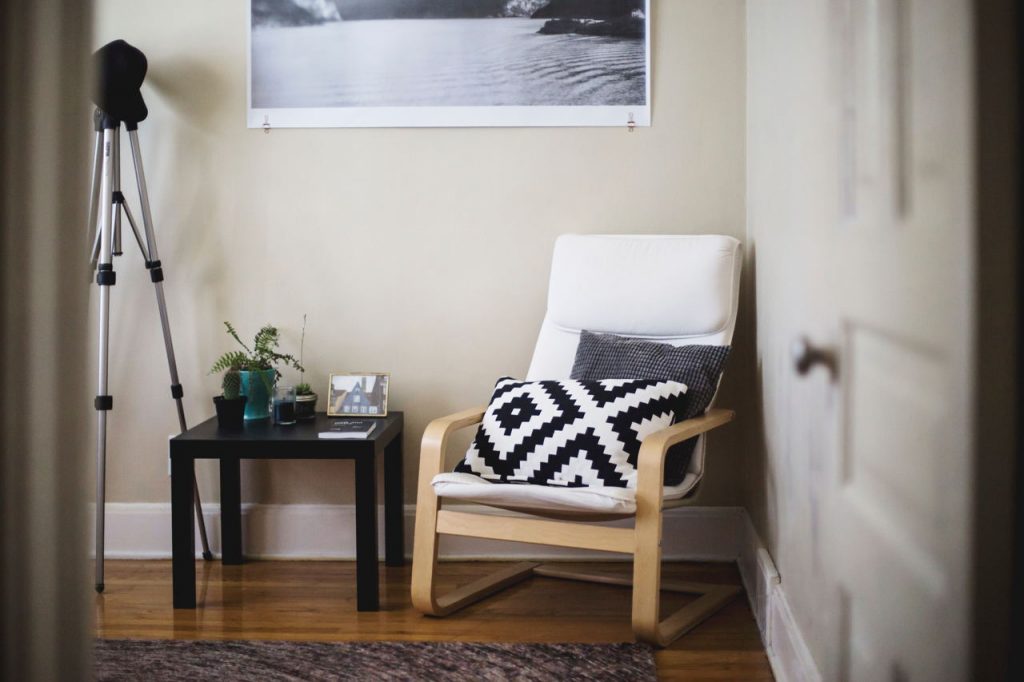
570 433
608 356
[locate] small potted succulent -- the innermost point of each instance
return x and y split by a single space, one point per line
256 367
231 403
305 402
305 398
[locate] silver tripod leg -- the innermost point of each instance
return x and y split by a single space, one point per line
105 279
135 230
157 275
94 193
118 197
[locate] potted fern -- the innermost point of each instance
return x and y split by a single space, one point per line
305 397
231 403
256 367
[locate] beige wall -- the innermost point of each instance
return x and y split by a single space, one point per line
790 194
420 252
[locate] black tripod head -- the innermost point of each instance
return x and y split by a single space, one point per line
120 69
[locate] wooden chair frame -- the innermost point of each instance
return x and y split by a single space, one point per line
643 540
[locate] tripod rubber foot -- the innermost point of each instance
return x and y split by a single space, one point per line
208 556
99 588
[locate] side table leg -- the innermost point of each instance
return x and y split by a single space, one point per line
183 532
394 522
367 579
231 510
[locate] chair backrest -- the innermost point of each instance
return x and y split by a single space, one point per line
674 289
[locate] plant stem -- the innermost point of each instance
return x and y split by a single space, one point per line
302 348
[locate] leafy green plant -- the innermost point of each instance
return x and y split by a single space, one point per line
231 384
262 356
303 389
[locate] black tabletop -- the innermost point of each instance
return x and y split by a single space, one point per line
265 431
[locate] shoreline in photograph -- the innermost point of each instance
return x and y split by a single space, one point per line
315 12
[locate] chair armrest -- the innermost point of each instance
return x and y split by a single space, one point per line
651 459
661 441
435 440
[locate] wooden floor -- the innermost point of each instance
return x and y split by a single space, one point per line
315 600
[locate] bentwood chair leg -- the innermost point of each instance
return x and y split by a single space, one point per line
647 624
424 569
647 575
424 554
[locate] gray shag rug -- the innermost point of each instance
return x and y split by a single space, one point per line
159 660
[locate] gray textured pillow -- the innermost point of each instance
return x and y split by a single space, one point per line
607 356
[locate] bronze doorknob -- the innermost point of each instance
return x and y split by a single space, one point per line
806 356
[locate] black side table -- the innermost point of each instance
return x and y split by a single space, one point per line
263 440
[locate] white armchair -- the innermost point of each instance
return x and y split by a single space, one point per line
680 290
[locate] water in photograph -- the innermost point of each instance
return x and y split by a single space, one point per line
442 62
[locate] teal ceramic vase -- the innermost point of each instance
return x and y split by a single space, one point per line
257 387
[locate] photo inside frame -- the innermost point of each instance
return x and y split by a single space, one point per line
358 394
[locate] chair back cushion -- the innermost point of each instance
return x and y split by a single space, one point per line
681 290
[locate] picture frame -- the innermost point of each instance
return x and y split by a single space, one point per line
349 65
358 394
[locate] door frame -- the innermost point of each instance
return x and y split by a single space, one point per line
998 571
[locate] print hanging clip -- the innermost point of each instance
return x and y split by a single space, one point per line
266 124
631 123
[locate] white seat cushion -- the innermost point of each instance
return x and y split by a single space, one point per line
601 500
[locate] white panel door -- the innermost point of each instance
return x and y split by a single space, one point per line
898 516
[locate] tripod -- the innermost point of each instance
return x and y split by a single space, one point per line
105 206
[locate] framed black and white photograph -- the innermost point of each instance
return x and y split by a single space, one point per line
358 395
440 63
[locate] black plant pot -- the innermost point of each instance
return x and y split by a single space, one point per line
305 407
230 413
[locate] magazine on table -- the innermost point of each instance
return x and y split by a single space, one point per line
349 429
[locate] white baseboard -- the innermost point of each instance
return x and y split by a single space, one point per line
313 531
787 650
327 531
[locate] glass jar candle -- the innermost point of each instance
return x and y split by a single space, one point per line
284 405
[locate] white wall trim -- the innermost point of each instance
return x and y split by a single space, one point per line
787 650
327 532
